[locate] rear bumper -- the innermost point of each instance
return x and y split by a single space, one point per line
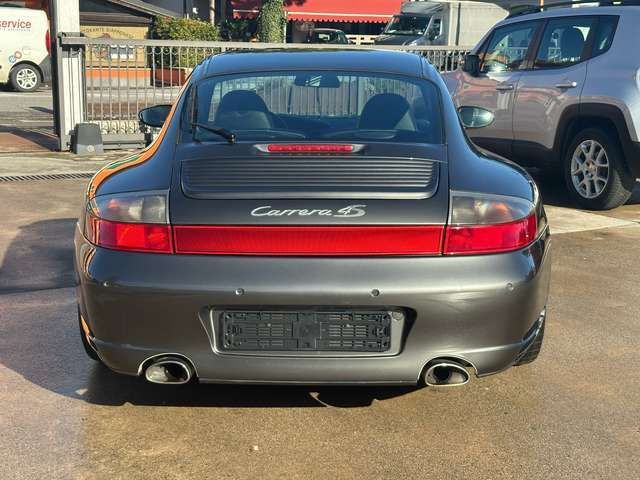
478 309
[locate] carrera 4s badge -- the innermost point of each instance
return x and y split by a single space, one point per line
348 211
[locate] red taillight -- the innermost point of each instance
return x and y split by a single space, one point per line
47 42
137 237
310 148
136 221
502 237
308 241
485 223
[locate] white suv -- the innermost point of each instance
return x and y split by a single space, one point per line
560 88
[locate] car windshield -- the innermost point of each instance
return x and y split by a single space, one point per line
315 106
407 25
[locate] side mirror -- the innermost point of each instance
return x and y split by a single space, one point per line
154 116
475 117
471 64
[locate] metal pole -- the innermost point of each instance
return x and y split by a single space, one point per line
212 12
68 72
458 25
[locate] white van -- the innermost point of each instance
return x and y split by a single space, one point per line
441 22
24 48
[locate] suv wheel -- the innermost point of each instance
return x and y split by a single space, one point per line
25 78
595 172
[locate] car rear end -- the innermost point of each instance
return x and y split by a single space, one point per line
349 260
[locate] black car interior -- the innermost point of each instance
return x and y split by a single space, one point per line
384 116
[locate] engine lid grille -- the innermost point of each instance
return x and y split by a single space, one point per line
285 176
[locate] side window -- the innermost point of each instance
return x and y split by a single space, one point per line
508 47
563 42
604 35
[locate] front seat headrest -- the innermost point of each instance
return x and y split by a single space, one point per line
571 44
243 110
386 111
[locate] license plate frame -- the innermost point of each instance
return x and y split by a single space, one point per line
310 331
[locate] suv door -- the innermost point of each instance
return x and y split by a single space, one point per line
501 58
552 84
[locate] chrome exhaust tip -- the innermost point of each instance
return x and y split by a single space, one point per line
445 373
174 371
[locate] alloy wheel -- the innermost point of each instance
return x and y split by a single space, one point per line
590 169
27 79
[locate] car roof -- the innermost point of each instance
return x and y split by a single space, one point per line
327 30
402 63
568 12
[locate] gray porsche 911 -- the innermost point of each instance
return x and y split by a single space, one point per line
315 218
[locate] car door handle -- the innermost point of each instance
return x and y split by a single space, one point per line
567 85
504 86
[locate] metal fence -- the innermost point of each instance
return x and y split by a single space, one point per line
123 76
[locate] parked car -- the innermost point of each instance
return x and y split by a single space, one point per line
327 35
440 23
24 48
564 87
312 217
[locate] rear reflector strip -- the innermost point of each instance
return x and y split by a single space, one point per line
502 237
310 148
308 241
419 240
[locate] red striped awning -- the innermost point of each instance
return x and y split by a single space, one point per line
379 11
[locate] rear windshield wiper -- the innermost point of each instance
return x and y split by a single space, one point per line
223 132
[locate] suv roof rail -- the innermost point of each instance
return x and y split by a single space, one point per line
529 9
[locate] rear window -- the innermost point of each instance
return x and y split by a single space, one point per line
604 36
563 42
316 106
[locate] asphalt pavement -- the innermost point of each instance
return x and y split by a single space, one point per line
574 413
26 119
31 110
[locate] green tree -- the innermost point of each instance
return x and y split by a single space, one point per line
165 28
271 21
183 29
